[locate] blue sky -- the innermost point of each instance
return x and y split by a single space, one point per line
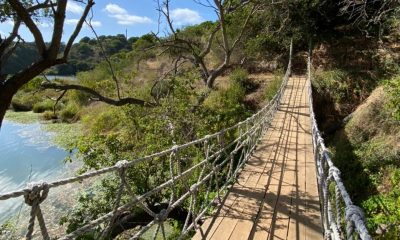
112 17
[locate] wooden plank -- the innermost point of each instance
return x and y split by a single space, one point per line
211 224
283 208
296 228
266 155
276 195
263 229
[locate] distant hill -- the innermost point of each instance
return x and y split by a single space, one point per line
84 55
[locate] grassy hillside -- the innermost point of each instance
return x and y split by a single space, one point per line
84 55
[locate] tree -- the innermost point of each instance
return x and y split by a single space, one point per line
190 49
28 13
52 53
370 12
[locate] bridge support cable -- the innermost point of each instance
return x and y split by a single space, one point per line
341 218
198 176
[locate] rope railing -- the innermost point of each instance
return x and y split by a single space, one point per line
198 184
341 218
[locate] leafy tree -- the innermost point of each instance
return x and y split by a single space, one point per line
27 12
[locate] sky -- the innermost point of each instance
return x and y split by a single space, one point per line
112 17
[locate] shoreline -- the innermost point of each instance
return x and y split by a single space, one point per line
64 134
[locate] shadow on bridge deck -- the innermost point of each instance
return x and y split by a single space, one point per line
276 195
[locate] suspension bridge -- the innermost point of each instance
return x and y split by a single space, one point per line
268 177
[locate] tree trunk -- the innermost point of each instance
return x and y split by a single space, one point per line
6 96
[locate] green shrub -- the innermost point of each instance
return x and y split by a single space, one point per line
21 107
45 105
273 86
332 82
382 210
79 97
102 118
24 101
70 112
225 107
49 115
393 88
377 153
32 85
240 76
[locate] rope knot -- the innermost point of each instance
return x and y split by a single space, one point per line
333 170
37 193
122 164
353 210
175 148
161 216
193 188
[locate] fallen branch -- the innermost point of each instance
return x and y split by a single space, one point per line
97 96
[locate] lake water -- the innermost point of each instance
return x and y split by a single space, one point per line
26 154
60 77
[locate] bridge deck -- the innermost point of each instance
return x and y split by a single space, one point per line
276 194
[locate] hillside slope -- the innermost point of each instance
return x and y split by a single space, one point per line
367 151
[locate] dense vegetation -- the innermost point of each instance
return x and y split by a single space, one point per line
84 54
348 68
357 80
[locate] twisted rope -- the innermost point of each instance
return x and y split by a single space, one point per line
34 197
329 174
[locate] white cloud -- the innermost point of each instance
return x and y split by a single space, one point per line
71 21
115 9
185 16
96 24
123 17
74 21
73 7
38 23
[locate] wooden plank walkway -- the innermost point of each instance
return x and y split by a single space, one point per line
276 195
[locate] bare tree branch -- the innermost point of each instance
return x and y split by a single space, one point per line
97 95
78 28
24 15
106 58
198 57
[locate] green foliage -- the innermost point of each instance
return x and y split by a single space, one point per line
132 131
273 86
383 210
22 117
49 115
377 153
32 85
7 228
45 105
103 118
92 203
84 55
241 77
333 82
24 102
393 88
225 107
23 56
70 112
367 153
